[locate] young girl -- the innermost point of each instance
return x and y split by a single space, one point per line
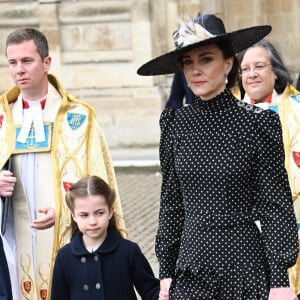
98 263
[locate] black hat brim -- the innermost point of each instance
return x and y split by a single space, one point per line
170 62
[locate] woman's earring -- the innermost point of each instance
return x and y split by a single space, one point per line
226 79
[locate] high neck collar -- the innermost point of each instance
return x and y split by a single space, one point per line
220 102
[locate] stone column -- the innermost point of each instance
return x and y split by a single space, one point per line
49 25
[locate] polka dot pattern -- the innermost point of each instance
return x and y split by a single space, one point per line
222 163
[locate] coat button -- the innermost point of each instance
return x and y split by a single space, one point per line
85 287
83 259
97 285
96 258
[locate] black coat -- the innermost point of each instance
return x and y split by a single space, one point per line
5 286
110 273
180 92
222 163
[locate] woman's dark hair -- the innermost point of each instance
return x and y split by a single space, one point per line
228 52
279 68
90 186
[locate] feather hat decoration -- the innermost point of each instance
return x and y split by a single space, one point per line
202 30
190 32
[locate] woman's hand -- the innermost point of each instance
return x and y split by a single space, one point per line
164 288
284 293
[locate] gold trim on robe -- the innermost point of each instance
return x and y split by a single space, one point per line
78 149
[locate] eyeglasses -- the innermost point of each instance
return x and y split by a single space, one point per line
256 69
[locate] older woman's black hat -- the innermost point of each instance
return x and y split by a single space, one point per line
203 30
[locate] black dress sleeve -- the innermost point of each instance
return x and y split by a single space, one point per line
274 200
171 214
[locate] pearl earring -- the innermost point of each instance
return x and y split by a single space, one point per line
226 79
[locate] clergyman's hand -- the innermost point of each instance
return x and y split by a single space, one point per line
7 183
47 221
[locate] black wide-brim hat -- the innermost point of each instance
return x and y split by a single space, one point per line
171 62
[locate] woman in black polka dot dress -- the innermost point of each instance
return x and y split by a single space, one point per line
223 168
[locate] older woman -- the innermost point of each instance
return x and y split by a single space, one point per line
223 168
265 82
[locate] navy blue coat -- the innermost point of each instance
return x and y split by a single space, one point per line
110 273
179 92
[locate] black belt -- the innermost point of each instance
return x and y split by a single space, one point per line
226 220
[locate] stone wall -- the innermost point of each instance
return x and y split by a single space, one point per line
97 46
